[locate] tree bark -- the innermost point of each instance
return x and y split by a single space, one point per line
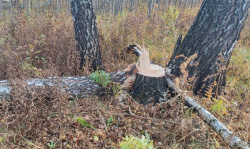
86 33
158 86
212 37
149 89
76 86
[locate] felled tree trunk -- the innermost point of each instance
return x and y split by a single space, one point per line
86 33
79 87
212 37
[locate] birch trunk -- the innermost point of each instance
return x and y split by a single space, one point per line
75 86
212 37
86 32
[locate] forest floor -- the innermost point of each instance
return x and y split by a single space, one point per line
37 46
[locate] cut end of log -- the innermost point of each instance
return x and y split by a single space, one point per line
128 83
130 73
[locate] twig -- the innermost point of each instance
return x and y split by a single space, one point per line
188 135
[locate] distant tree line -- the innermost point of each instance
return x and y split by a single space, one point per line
39 6
100 6
116 6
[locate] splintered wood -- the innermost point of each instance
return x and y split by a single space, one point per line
144 61
146 68
142 67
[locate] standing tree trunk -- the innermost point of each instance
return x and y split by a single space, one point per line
1 8
86 33
212 38
149 7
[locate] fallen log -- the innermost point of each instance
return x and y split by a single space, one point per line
76 86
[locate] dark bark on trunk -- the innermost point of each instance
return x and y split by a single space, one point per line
86 33
212 37
149 89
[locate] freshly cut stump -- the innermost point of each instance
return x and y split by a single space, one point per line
150 81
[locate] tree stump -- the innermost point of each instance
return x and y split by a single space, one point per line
150 81
149 89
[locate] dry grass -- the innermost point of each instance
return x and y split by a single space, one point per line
36 120
37 46
43 45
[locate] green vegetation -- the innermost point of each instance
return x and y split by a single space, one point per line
218 107
96 138
109 122
130 142
85 123
2 140
51 145
101 78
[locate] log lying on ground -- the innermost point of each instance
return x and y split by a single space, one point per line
75 86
